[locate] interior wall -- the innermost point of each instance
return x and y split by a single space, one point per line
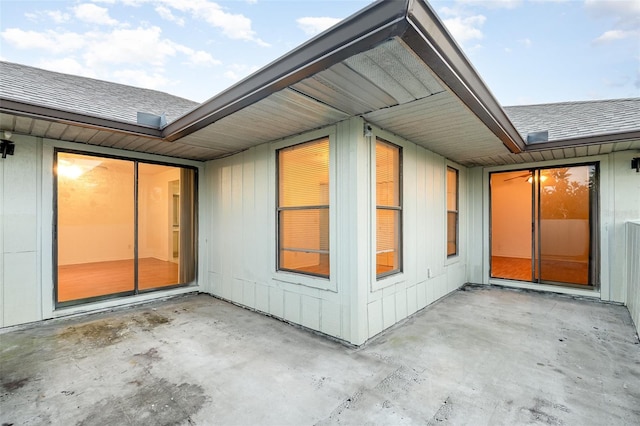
511 215
20 216
154 209
96 215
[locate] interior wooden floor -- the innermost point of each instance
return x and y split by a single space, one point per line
552 270
87 280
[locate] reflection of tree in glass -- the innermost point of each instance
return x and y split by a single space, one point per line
564 197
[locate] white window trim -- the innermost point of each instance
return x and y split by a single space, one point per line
322 283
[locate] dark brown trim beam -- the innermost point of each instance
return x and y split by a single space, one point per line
362 31
8 106
430 40
585 141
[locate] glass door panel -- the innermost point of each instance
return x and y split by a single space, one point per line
542 225
511 218
564 223
158 225
95 226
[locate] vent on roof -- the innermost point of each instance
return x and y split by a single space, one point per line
152 120
535 137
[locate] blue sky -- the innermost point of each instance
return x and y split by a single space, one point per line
527 51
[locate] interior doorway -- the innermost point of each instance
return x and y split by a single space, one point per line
544 225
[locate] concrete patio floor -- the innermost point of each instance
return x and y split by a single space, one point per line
480 356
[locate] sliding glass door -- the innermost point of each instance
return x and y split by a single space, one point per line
543 225
122 227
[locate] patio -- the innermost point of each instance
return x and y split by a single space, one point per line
482 355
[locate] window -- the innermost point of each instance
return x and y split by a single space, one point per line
122 227
388 209
303 208
452 211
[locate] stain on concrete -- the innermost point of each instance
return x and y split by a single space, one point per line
149 320
15 384
542 411
98 334
444 412
109 331
150 355
347 404
155 402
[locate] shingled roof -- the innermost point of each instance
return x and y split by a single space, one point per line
87 96
568 120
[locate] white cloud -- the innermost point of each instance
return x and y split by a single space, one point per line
67 66
236 72
196 57
140 78
464 29
234 26
625 15
49 40
493 4
613 35
56 16
314 25
165 13
92 14
526 42
133 46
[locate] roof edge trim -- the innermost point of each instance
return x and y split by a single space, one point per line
365 29
8 106
599 139
443 55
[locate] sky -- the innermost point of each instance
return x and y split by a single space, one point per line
526 51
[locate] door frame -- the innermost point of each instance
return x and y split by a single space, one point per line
601 249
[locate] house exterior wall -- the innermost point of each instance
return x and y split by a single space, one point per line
20 219
26 232
633 271
352 305
619 202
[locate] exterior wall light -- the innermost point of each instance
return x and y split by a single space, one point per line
7 147
635 164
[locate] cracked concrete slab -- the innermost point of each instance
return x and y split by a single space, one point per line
480 356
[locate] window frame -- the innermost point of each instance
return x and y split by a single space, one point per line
399 208
456 211
280 210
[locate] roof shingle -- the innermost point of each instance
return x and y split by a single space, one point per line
86 95
566 120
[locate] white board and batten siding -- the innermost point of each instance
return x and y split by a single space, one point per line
427 274
352 305
20 218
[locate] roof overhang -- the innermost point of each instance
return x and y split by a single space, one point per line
329 57
393 63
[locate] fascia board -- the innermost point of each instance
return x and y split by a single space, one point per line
360 32
12 107
600 139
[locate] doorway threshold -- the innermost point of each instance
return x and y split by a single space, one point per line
573 291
